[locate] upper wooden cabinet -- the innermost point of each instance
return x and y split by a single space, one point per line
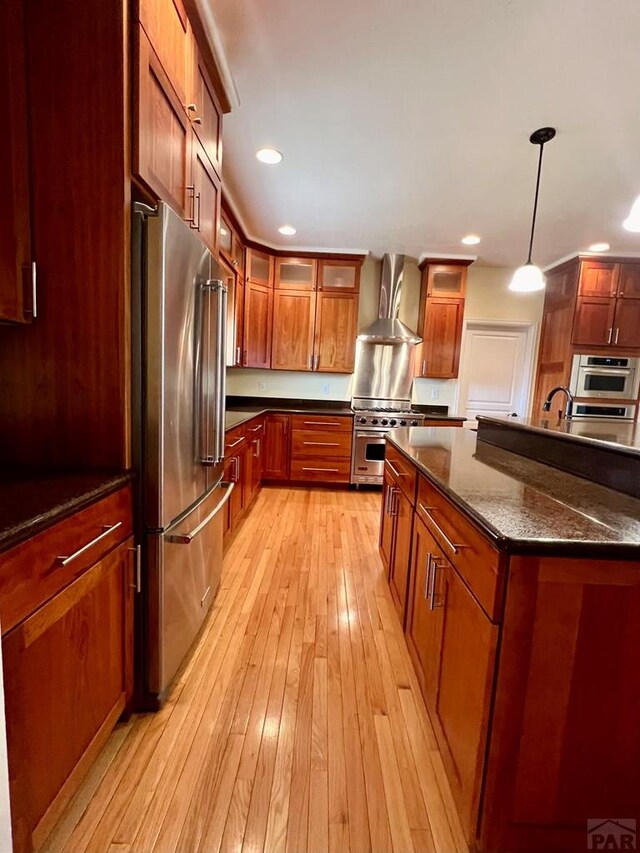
259 267
441 317
206 116
169 32
257 326
16 273
339 275
607 308
295 274
629 281
206 196
336 328
230 244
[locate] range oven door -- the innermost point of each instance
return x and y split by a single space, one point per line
368 456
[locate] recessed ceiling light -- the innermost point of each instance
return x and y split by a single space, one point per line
471 240
269 155
287 230
599 247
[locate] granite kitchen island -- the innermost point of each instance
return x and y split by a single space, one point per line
518 586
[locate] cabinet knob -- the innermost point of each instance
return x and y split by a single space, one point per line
192 108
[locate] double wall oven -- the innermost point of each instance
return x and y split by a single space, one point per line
605 386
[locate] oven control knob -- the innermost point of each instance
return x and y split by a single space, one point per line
403 423
414 423
363 420
385 422
374 420
393 422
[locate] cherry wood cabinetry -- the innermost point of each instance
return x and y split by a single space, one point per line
295 273
206 116
257 326
321 448
254 456
206 197
235 449
67 645
16 272
169 32
293 329
340 275
277 447
259 267
336 328
442 303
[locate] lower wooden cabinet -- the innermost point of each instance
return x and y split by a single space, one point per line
402 512
321 448
67 680
253 460
277 447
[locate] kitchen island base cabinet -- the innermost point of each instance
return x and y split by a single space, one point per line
66 672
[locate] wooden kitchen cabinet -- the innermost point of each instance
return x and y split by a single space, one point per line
594 321
206 116
441 331
446 280
206 190
402 512
293 329
321 448
169 32
258 324
598 278
295 274
277 447
386 520
235 449
336 329
339 275
626 323
629 281
259 268
235 310
16 273
254 460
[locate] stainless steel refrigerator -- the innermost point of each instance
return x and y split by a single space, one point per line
179 318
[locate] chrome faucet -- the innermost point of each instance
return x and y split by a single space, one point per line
568 409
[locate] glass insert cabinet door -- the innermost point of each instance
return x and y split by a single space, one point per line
446 280
296 273
225 236
339 275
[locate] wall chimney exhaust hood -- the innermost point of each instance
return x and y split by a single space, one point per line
387 329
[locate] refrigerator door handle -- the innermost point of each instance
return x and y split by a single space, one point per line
187 538
221 370
207 453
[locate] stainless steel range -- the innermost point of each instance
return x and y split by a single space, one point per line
372 420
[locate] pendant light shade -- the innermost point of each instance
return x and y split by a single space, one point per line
632 222
529 277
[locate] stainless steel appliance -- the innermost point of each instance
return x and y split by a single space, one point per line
372 420
605 377
600 411
179 313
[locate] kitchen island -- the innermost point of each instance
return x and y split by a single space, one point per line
518 586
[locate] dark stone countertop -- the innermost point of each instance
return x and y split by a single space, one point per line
523 506
31 502
621 436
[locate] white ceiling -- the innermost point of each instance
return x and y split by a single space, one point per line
404 123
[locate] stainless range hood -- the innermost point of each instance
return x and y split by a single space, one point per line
387 329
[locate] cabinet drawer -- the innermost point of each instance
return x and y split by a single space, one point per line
323 422
312 442
321 470
474 557
254 429
401 471
234 440
34 571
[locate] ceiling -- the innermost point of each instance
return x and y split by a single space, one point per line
404 125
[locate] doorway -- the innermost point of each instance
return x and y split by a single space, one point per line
496 368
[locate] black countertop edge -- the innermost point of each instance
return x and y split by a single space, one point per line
16 531
522 547
553 434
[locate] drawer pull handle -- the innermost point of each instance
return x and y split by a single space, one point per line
426 511
328 470
233 443
322 443
394 469
254 429
433 603
320 423
108 528
427 576
138 584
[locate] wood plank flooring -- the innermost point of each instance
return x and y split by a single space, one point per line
297 724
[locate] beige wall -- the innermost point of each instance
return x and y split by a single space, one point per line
487 299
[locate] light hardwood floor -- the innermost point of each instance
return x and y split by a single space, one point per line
297 725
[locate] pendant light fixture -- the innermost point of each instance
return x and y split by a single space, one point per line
529 277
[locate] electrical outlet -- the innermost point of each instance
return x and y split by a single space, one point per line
435 393
262 386
326 388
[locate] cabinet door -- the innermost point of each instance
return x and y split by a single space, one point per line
258 316
277 453
167 27
15 239
259 268
293 328
387 520
593 321
442 337
424 618
66 670
256 465
339 275
206 204
225 237
295 273
598 278
446 280
336 331
626 323
206 118
460 709
629 281
238 254
161 150
238 320
402 511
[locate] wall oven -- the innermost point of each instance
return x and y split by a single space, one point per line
605 377
594 411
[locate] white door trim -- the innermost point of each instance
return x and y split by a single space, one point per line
531 346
